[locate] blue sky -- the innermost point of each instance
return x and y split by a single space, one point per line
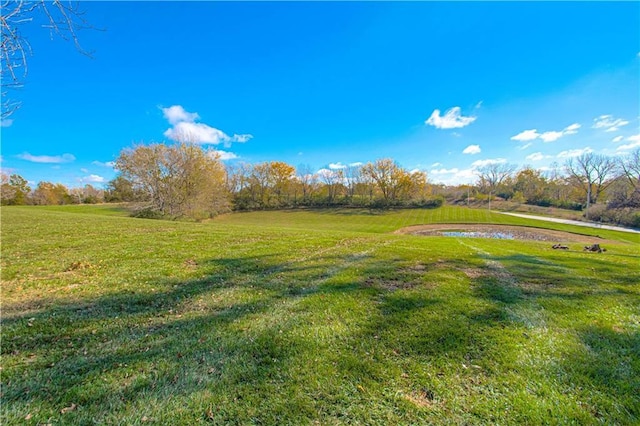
440 87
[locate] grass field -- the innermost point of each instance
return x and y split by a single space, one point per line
312 317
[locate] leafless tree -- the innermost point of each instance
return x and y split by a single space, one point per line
61 18
308 181
626 191
630 166
353 177
493 175
590 172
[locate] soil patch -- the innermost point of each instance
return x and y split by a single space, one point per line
516 232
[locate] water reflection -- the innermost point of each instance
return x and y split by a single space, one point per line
471 234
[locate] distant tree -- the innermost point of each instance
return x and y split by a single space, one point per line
630 167
626 188
15 190
63 18
333 183
308 181
281 178
391 179
492 176
531 184
590 173
353 178
121 189
180 180
47 193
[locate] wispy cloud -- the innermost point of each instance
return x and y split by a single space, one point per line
526 135
93 179
617 139
635 143
481 163
472 149
223 155
536 156
608 123
525 146
101 164
185 128
452 119
55 159
574 152
546 137
6 122
337 166
453 176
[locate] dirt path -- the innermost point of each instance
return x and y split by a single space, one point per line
573 222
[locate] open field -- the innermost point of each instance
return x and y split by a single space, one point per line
312 317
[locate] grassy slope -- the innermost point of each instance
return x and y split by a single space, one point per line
302 317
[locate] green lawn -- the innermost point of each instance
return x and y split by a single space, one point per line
312 317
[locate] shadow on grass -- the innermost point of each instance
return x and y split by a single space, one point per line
236 346
229 335
599 363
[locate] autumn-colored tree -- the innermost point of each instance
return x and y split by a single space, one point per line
14 190
392 180
180 180
281 177
47 193
531 184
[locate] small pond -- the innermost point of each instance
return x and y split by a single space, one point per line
477 234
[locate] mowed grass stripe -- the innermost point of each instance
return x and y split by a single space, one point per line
311 317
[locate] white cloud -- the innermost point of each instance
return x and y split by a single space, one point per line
326 173
527 135
337 166
481 163
574 152
608 123
525 146
64 158
617 139
223 155
635 143
6 122
546 137
101 164
186 129
83 170
241 138
93 179
472 149
176 114
628 147
551 136
436 165
356 164
572 129
452 119
536 156
444 171
453 176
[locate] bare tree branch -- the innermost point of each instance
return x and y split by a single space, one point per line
63 18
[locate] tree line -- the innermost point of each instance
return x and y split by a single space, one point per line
186 180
